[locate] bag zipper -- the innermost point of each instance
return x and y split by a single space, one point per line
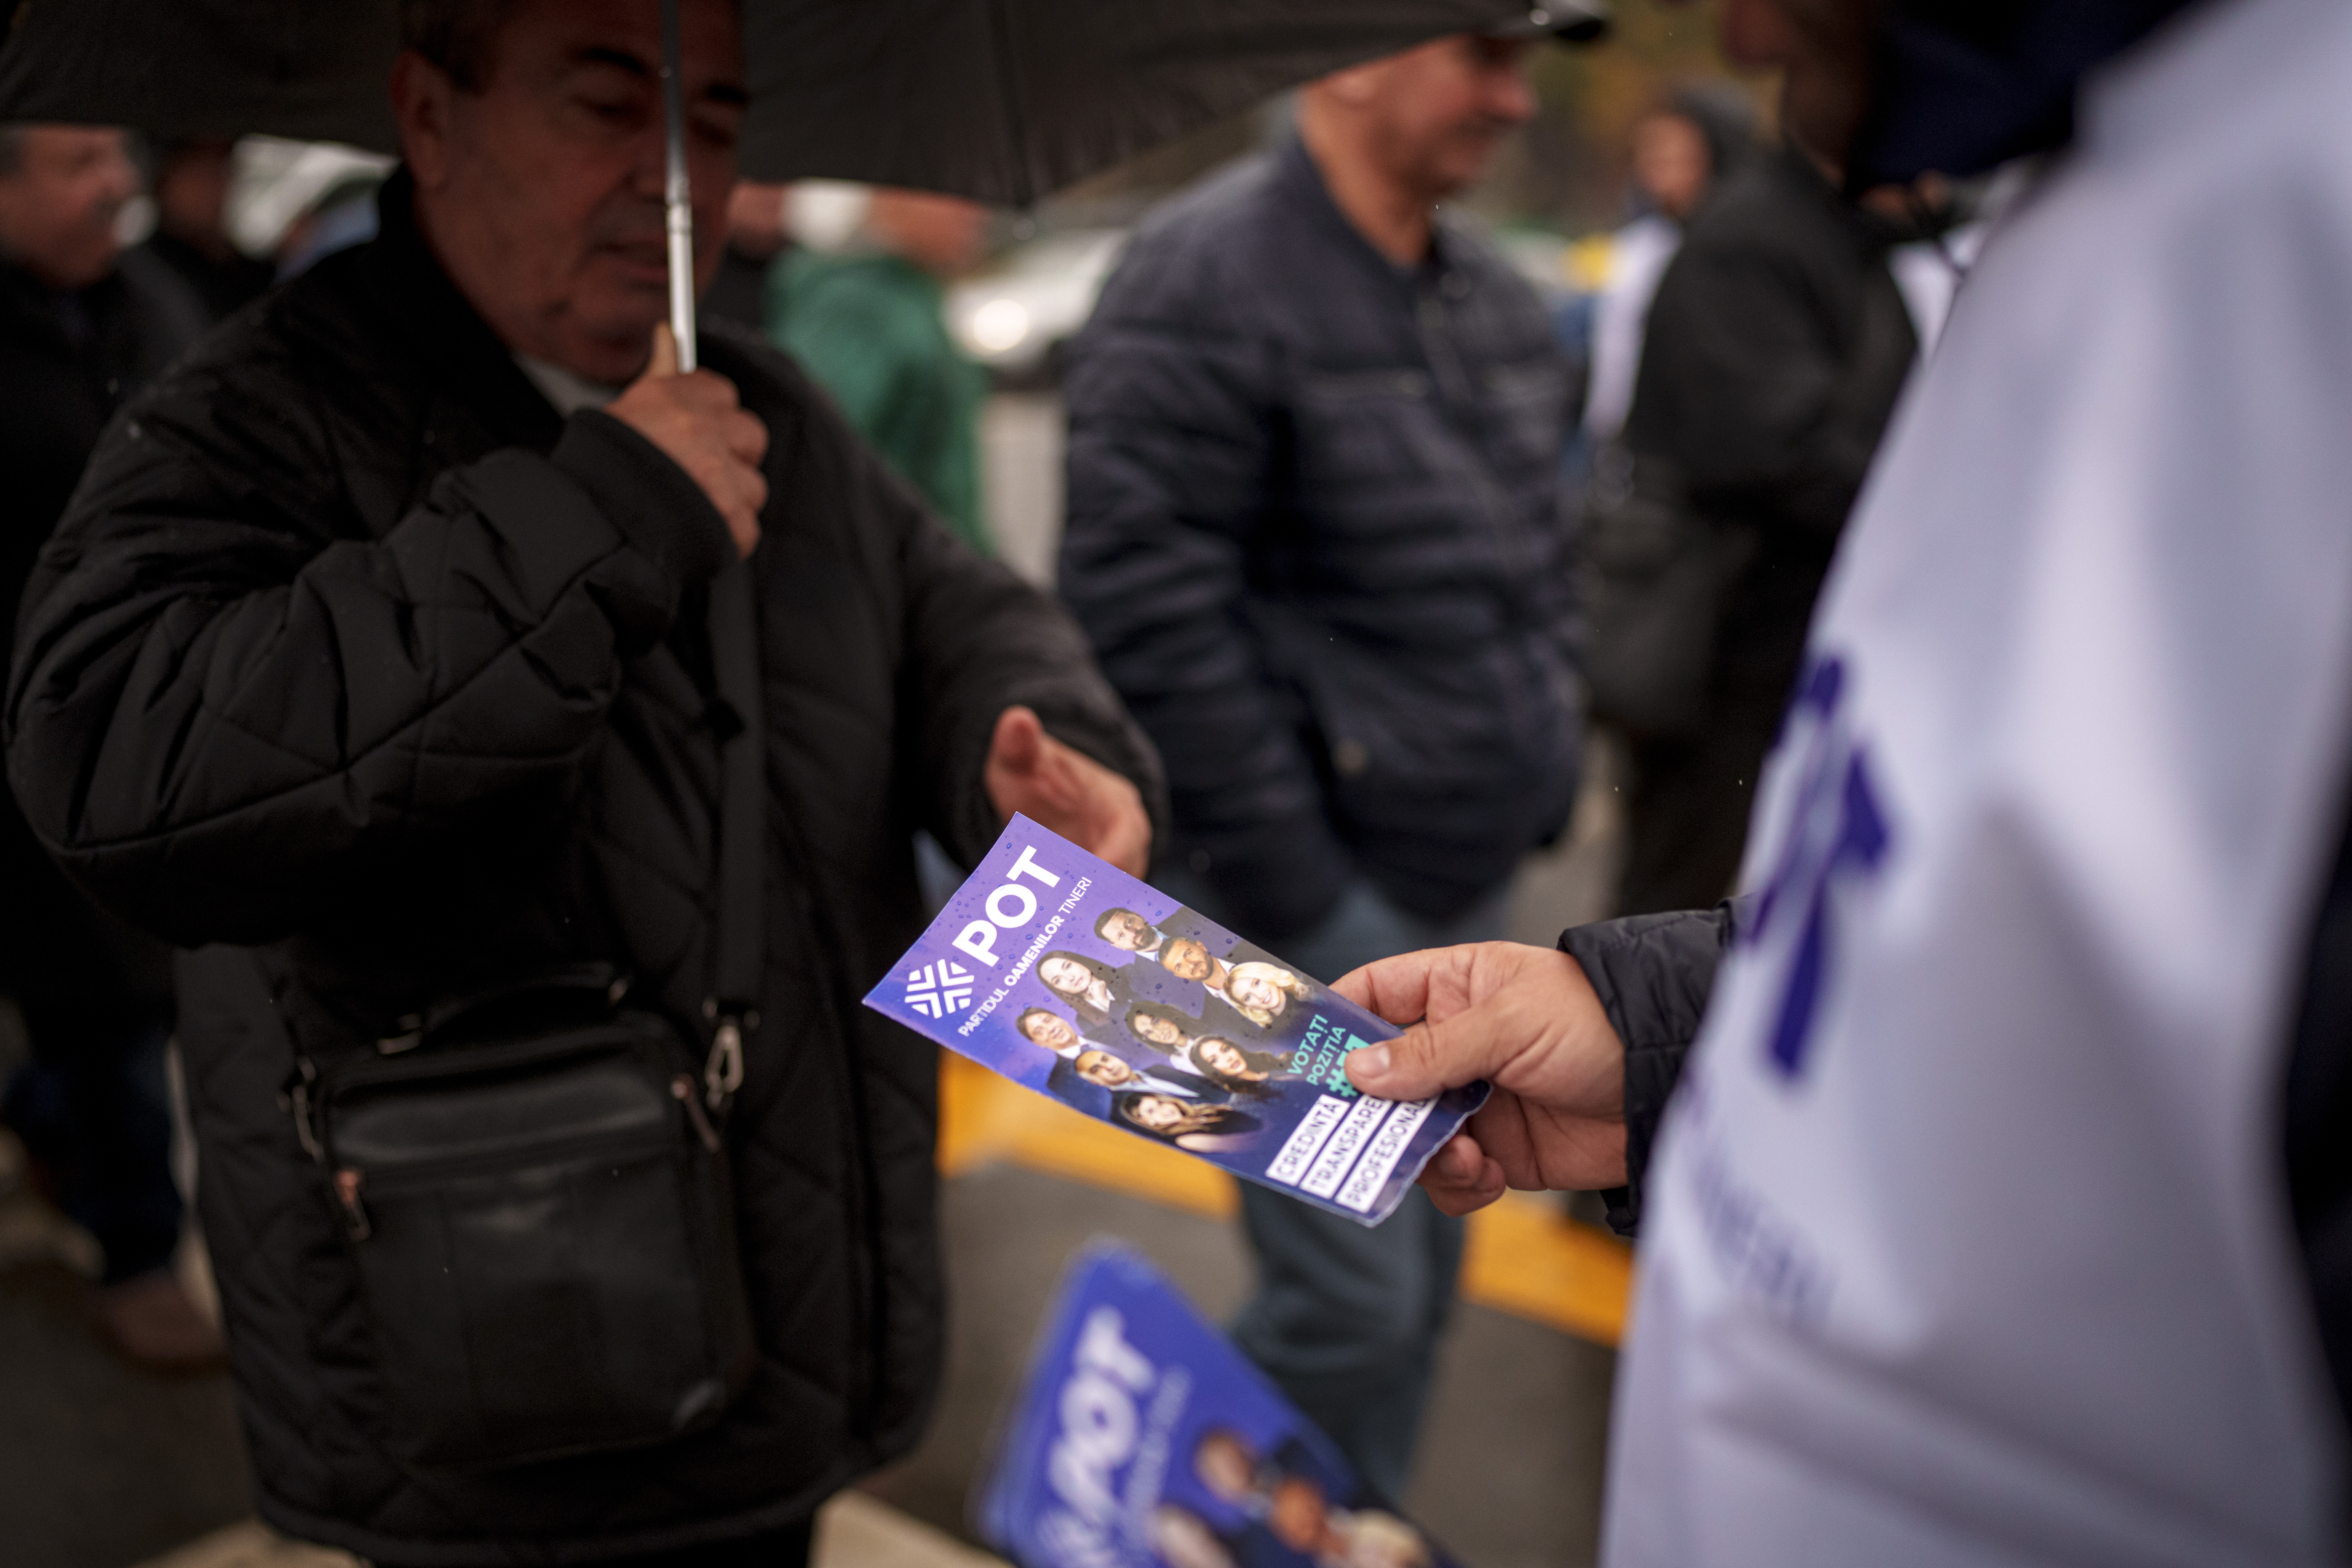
469 1061
350 1182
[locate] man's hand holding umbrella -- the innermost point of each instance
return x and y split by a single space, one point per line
698 422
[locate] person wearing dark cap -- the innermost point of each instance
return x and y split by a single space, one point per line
1315 531
2004 1212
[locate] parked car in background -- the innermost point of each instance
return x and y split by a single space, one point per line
1014 317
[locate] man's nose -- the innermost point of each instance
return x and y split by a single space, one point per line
649 165
1513 97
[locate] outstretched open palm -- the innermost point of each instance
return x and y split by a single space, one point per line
1061 787
1527 1020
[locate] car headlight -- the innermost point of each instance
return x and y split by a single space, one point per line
1000 326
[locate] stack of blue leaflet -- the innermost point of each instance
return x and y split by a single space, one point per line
1144 1438
1069 976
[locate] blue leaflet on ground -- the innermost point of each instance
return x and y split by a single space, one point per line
1143 1438
1067 976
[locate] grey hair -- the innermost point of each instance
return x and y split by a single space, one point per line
455 34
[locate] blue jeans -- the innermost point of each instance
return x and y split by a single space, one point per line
1346 1320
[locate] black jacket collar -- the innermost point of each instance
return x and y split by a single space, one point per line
35 311
401 283
1303 179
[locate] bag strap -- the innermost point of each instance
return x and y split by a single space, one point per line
739 958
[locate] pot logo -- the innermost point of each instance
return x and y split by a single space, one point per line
939 989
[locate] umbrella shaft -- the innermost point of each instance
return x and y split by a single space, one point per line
677 191
681 281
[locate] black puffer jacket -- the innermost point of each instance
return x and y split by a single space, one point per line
1774 354
1315 530
353 655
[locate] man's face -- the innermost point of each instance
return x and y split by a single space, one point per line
1049 1031
755 218
1126 929
1225 1467
1185 959
1102 1067
1441 112
58 209
1296 1516
542 192
1823 47
192 190
1671 162
941 234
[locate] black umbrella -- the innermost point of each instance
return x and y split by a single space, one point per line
1000 101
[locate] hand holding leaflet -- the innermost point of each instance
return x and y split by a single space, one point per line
1143 1439
1073 979
1526 1020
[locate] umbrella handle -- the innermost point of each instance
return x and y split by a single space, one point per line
677 191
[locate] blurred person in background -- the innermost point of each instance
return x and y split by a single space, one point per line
376 663
191 191
869 322
1315 530
1772 356
756 235
342 216
1682 149
83 326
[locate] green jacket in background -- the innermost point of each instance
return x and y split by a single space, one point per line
872 330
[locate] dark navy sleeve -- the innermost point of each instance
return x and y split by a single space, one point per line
1653 974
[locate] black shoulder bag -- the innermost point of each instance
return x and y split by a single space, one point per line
533 1180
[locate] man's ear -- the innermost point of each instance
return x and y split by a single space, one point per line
1356 86
422 95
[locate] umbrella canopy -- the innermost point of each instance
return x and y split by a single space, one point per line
1002 100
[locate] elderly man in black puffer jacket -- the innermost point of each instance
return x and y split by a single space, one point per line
360 668
1315 531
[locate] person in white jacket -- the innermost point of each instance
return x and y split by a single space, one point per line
2004 1212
